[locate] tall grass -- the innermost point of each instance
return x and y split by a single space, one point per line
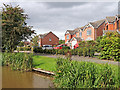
18 61
73 74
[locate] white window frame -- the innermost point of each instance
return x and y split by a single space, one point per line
89 31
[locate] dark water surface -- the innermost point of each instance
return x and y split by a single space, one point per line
16 79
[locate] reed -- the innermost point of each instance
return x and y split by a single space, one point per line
73 74
18 61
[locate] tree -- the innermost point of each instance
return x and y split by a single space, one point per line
21 44
61 41
14 27
35 40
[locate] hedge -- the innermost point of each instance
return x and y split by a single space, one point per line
78 51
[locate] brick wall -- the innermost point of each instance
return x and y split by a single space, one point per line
70 36
84 33
54 39
99 31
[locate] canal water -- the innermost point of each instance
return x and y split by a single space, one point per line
16 79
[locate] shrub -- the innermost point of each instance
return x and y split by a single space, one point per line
53 51
23 48
84 51
66 47
38 50
110 46
90 51
80 52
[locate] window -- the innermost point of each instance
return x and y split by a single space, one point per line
89 32
76 34
49 39
67 36
80 34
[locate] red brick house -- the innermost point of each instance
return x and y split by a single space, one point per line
92 30
112 24
48 39
89 32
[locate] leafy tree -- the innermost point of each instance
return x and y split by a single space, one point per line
61 41
14 27
21 43
35 40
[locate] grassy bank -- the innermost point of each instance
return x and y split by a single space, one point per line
45 63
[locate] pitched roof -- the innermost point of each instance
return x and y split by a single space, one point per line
111 19
82 27
77 29
71 31
96 24
43 35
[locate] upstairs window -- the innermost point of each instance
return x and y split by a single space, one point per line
76 34
67 36
89 32
80 34
50 39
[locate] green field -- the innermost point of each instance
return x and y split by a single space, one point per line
45 63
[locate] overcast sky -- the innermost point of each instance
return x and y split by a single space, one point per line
61 16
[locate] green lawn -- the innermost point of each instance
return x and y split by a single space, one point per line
45 63
49 64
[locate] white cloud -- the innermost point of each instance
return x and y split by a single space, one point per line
58 17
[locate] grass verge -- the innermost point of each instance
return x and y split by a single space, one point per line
45 63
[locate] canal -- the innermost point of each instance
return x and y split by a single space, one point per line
17 79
